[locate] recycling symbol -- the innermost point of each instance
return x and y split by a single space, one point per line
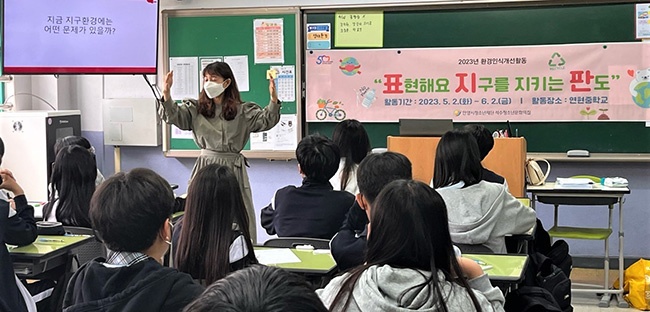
556 60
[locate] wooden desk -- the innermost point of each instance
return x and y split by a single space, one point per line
310 262
597 196
507 158
46 253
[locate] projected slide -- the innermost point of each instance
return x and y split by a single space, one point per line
80 36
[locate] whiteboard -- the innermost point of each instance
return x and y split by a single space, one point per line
127 87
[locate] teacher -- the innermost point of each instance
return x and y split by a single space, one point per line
221 123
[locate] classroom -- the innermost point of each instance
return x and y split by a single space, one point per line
120 108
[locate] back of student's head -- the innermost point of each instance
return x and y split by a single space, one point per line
2 150
70 141
258 289
457 159
408 229
214 203
353 142
73 180
377 170
483 138
128 210
318 157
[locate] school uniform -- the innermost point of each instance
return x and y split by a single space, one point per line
351 186
221 141
348 246
313 210
17 228
491 176
129 281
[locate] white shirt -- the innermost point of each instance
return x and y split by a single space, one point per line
351 186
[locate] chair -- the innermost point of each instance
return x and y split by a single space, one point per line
89 250
292 242
474 249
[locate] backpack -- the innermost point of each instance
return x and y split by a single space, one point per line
531 299
534 173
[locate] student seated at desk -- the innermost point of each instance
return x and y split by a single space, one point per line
259 288
212 238
485 142
480 212
73 140
410 263
375 171
314 209
130 213
17 227
354 144
73 179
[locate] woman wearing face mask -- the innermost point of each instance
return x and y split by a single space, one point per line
221 123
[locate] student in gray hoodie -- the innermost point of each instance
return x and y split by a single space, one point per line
480 212
410 263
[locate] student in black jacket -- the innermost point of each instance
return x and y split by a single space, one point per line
375 171
314 209
17 227
130 213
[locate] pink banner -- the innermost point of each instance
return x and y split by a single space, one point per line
526 83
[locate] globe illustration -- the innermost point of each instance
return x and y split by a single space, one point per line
349 66
642 98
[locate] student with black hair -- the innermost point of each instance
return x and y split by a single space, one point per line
212 238
375 171
480 212
258 288
353 142
73 183
411 263
130 213
314 209
17 227
80 141
485 142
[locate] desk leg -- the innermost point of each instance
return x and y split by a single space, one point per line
604 300
621 265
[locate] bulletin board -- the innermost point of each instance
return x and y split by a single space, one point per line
212 32
508 26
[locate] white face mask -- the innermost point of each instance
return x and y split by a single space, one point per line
213 89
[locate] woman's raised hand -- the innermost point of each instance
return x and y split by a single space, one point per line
167 84
273 91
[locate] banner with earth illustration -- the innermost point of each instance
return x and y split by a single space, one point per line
605 81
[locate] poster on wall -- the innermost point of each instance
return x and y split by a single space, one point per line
185 83
319 36
359 29
606 81
642 19
268 41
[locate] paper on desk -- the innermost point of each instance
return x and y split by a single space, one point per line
573 183
275 256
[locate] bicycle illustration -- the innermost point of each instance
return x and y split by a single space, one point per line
324 110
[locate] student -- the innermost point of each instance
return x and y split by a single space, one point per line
83 142
314 209
212 238
480 212
17 227
410 263
485 143
130 213
258 288
354 144
375 171
73 181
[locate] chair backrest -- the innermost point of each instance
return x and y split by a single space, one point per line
89 250
291 242
480 249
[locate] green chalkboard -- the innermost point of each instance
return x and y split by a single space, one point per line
218 34
498 26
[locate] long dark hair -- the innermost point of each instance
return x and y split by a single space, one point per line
214 203
73 179
457 159
408 229
231 98
354 144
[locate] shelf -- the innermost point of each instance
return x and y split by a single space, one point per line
579 233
